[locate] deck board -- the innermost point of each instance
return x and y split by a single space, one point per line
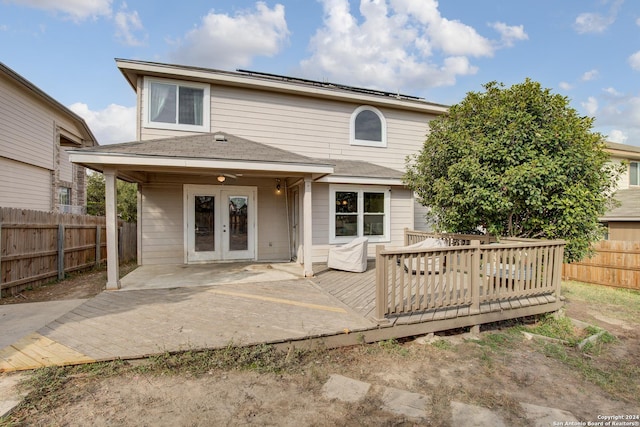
357 291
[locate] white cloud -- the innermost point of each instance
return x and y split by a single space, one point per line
590 106
4 27
397 44
616 135
126 24
227 42
510 34
620 118
634 61
115 123
589 75
565 86
591 22
612 91
76 10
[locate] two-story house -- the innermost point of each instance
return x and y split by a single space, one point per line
623 221
35 133
253 166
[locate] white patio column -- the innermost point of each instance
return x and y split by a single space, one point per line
307 238
111 214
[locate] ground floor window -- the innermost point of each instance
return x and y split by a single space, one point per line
359 212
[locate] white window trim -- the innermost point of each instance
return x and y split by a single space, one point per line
333 239
365 142
206 107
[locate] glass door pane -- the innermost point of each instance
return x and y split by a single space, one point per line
204 208
238 223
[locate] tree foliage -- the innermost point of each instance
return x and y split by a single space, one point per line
127 198
517 162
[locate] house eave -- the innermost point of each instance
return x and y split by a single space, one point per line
620 219
133 69
117 159
333 179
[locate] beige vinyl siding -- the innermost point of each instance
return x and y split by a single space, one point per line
312 127
27 131
419 221
401 215
65 166
273 237
162 224
624 230
24 186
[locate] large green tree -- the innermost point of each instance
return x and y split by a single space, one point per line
515 161
127 197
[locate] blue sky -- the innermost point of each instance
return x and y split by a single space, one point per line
587 50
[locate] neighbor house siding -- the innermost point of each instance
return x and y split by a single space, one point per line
24 186
624 230
162 224
27 131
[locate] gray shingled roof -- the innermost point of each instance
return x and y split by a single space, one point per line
205 146
629 208
357 168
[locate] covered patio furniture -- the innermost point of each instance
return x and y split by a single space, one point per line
424 264
349 257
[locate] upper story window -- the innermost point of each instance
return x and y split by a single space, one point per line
176 105
634 173
368 127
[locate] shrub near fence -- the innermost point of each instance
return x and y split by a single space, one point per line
615 263
37 247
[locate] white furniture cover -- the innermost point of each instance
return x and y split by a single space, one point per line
350 257
417 265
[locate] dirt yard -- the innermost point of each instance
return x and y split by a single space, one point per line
259 386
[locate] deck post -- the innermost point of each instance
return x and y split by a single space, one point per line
557 276
381 286
406 236
475 278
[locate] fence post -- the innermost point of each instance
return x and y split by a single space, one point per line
60 251
381 286
98 245
0 260
406 236
475 276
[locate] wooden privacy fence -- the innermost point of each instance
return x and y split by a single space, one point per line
615 263
37 247
464 273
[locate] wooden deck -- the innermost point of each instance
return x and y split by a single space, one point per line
358 291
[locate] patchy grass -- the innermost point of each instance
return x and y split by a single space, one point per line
615 376
624 302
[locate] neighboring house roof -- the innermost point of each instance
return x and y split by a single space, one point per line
132 69
225 151
629 152
89 138
629 209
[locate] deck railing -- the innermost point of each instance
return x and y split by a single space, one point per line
464 273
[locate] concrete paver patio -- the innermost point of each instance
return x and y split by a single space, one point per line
137 323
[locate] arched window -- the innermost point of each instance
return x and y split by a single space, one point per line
368 127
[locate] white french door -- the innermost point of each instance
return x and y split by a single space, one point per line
219 223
